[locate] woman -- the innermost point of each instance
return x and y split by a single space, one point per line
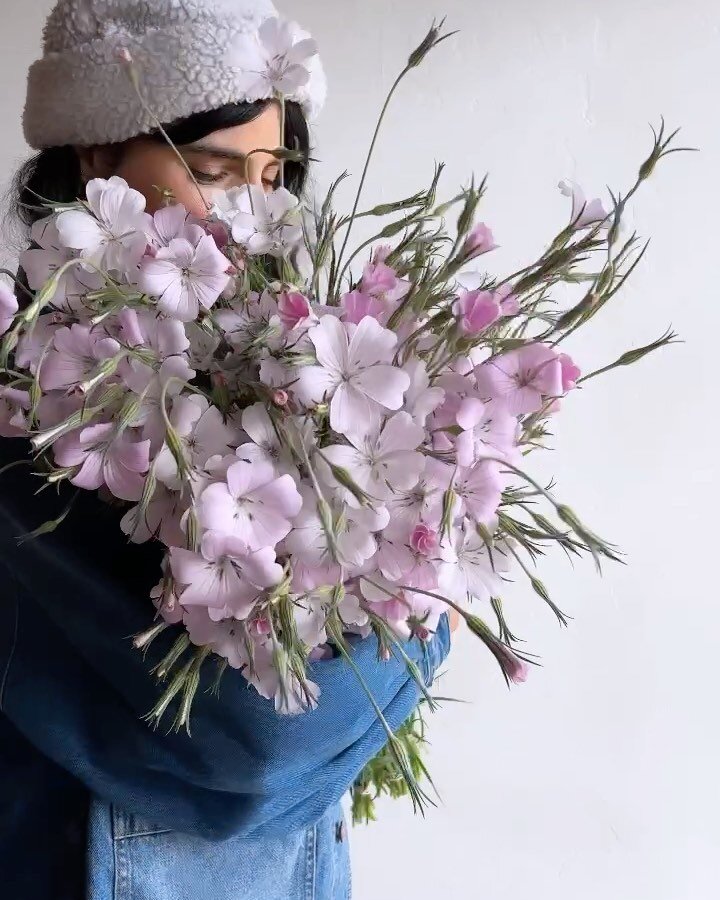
95 804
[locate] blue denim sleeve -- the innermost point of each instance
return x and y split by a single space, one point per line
77 689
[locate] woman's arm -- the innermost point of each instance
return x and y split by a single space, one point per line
77 689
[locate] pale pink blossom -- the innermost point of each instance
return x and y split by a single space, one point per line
145 328
509 303
382 461
162 519
354 372
225 576
403 610
150 384
42 262
252 504
424 501
521 379
259 427
479 489
262 223
185 277
105 458
75 355
202 432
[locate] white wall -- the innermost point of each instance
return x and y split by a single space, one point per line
598 779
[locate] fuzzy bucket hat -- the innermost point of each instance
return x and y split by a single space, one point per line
191 56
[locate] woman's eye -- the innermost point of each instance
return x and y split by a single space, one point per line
207 177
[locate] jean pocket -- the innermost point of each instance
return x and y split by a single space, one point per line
127 825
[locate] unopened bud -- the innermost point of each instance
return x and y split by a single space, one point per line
280 397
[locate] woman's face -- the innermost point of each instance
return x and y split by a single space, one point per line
218 162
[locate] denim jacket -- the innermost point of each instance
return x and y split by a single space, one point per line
247 808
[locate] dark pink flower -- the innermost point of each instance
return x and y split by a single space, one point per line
424 539
569 372
479 241
476 310
357 305
293 308
378 279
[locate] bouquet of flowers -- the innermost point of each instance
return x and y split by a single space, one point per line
321 451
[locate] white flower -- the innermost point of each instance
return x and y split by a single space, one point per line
263 223
475 570
583 213
110 234
421 399
354 371
277 61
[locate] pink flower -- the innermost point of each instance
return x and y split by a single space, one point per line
110 234
378 279
8 307
144 328
105 458
293 309
476 310
162 519
509 303
226 577
219 233
185 277
357 305
354 371
75 354
381 253
570 372
480 490
383 461
202 433
479 241
13 403
424 539
521 379
252 504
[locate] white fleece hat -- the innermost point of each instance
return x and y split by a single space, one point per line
191 55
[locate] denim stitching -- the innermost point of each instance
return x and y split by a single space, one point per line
6 673
310 858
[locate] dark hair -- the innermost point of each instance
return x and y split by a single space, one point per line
54 174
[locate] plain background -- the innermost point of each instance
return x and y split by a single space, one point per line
598 778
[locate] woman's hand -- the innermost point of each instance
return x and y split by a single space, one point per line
454 617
